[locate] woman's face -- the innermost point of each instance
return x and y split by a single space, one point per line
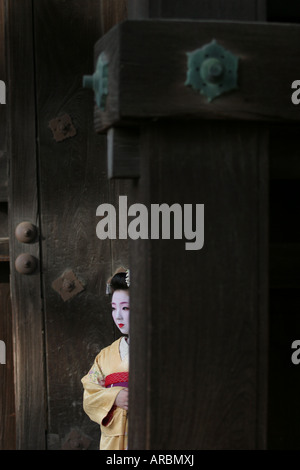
121 310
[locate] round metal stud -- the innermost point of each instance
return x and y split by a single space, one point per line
25 232
26 263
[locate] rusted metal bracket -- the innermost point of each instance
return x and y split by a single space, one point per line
67 285
62 128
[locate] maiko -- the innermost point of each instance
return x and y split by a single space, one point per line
2 92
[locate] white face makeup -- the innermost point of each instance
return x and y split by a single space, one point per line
121 310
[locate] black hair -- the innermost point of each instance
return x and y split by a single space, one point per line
118 282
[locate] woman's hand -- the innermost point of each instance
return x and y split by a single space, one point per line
122 399
101 382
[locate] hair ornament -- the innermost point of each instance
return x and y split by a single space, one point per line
127 279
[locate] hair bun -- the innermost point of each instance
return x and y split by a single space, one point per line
120 280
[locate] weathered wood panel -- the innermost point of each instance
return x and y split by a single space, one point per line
73 182
28 323
199 318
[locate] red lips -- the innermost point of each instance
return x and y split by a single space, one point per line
121 325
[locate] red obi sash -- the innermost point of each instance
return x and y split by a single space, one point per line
119 379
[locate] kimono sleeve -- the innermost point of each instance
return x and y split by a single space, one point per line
98 401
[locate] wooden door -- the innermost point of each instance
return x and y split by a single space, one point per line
200 320
57 180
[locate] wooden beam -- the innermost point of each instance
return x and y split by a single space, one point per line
152 57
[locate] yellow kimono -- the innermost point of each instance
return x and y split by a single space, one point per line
98 401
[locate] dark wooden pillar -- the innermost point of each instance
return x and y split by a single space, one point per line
199 319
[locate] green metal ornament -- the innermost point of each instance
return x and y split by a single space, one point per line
98 81
212 70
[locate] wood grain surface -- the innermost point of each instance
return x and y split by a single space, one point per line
152 81
28 325
199 328
72 183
